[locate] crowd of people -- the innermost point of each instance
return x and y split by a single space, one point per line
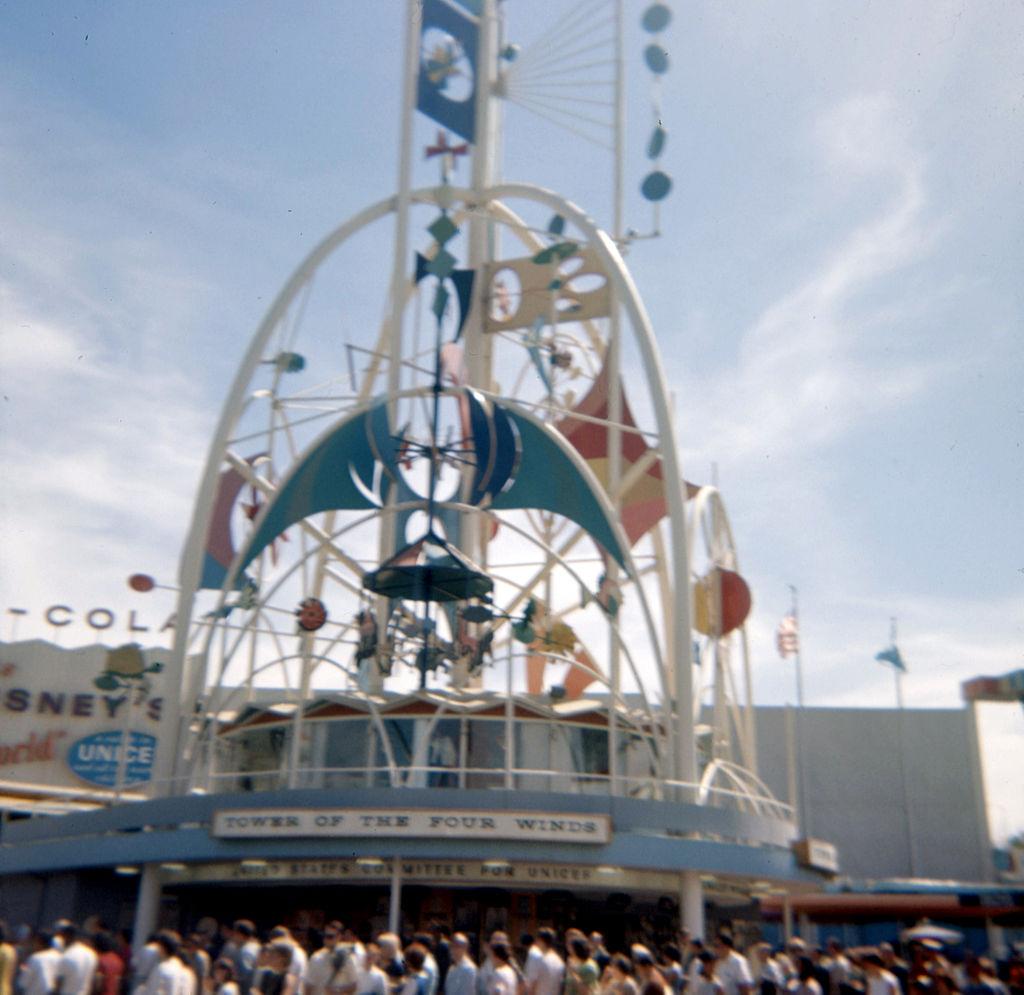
235 959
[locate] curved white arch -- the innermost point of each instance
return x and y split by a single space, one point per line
683 766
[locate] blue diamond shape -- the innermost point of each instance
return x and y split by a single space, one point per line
442 264
443 229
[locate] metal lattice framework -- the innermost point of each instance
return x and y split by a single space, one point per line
587 610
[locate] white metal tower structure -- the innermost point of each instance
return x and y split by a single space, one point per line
474 501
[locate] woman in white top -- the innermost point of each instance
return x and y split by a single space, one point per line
503 980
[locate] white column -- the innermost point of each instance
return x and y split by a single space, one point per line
395 908
691 903
147 906
808 931
996 940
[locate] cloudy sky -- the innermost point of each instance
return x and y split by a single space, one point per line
837 292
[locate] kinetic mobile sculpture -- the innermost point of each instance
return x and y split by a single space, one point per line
463 500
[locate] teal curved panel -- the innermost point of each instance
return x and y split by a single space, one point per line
324 480
547 478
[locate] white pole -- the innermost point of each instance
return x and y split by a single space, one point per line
897 674
147 906
478 349
510 739
401 263
620 121
791 764
295 753
613 363
395 909
691 903
481 244
802 807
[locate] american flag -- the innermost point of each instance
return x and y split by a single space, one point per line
787 637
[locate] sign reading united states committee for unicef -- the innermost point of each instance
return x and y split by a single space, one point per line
244 823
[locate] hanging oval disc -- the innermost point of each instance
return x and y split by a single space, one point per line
656 144
656 18
656 185
657 59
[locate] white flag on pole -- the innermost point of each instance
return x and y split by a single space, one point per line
787 637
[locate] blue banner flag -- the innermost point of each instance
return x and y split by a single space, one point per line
892 655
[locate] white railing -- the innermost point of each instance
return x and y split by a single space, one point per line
759 802
745 799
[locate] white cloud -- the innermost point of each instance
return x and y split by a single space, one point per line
99 459
805 370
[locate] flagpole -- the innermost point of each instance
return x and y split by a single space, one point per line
802 820
799 665
897 672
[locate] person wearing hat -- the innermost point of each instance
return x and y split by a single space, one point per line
462 972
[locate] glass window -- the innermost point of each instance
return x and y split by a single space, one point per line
345 753
485 748
443 755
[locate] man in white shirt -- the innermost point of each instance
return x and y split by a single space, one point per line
461 977
533 956
39 973
731 968
372 980
77 964
332 970
764 970
546 975
245 953
170 976
838 967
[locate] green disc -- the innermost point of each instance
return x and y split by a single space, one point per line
656 143
656 58
656 185
656 18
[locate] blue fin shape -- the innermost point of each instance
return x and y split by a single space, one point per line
463 280
551 476
495 446
323 480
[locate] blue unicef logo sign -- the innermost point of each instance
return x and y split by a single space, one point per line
97 758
